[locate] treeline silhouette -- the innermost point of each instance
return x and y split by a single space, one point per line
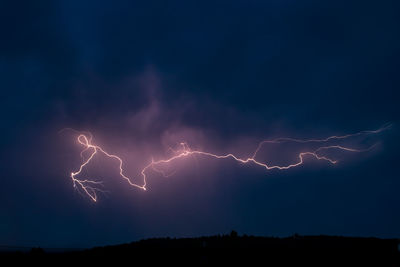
235 249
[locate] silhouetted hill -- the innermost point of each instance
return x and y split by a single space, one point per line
234 249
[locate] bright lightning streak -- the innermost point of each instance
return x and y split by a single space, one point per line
91 187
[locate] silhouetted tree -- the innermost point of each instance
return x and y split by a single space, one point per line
234 234
37 251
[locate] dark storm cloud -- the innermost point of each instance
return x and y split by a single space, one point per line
291 61
143 75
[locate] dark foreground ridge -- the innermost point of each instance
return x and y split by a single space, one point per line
315 250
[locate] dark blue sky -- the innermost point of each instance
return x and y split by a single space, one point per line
142 75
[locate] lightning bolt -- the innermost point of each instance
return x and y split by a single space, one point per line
92 187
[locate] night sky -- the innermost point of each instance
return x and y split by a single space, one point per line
220 75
